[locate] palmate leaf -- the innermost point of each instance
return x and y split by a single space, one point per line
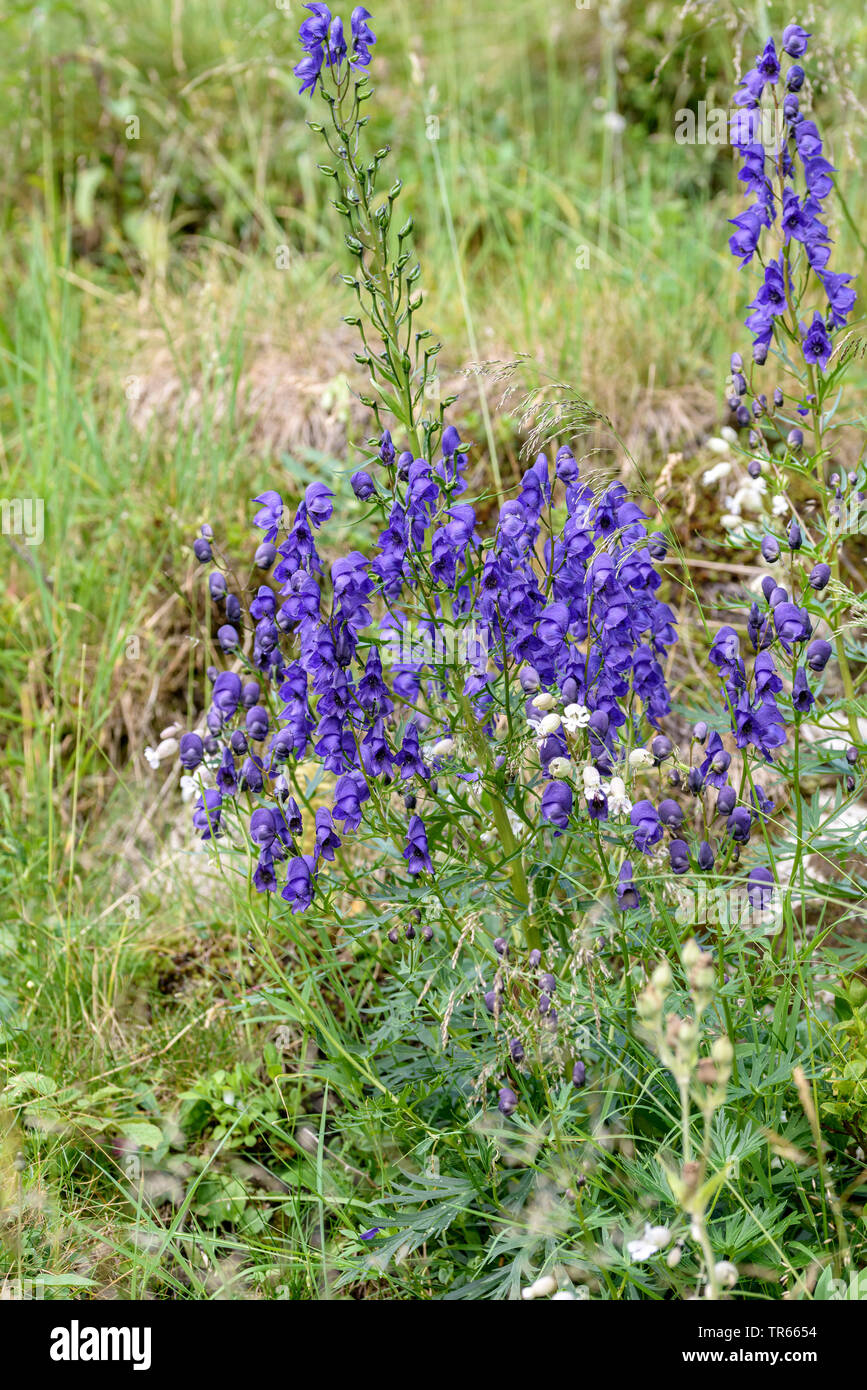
426 1208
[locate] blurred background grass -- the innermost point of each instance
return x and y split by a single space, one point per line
171 343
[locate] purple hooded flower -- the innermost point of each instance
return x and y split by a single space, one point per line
416 851
815 341
647 830
717 760
739 824
792 624
363 485
670 814
326 839
257 723
770 549
760 887
270 514
802 696
557 804
795 40
408 758
626 893
317 501
299 883
263 827
507 1101
362 37
349 794
192 751
678 853
819 654
208 809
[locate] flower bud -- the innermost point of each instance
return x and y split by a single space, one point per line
543 701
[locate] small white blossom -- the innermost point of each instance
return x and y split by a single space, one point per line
750 497
167 748
780 506
543 701
618 802
542 1288
717 445
444 748
189 787
575 717
640 757
591 777
549 724
655 1238
729 435
726 1273
559 767
717 473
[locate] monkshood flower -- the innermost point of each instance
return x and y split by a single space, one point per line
560 591
760 887
557 804
192 751
207 813
324 43
788 180
416 851
647 830
626 893
298 891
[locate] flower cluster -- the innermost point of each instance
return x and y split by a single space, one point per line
324 43
561 616
773 171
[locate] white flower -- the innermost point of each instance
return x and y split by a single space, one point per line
549 724
613 120
726 1273
189 787
640 757
717 445
167 748
729 435
655 1238
559 767
542 1288
561 1294
444 748
543 701
519 827
750 497
730 520
591 778
575 717
717 473
618 802
780 506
